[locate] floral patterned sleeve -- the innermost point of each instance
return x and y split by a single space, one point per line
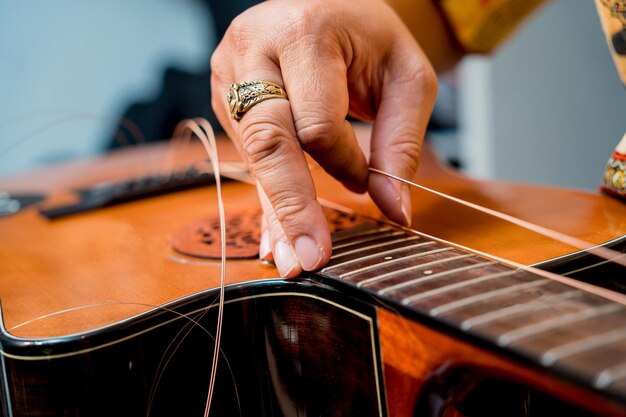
481 25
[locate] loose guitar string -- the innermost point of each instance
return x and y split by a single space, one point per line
611 295
178 142
609 255
166 357
181 338
117 123
201 129
605 253
160 369
60 116
182 135
600 251
133 129
119 135
204 131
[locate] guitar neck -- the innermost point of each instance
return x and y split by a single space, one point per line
556 326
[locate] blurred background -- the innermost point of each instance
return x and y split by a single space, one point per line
546 107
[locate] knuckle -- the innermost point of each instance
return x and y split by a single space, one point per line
288 205
315 133
219 70
308 25
426 80
307 17
239 34
264 144
419 77
407 148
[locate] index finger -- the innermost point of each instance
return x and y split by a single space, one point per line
269 143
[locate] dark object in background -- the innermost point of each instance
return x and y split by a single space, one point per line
184 95
619 42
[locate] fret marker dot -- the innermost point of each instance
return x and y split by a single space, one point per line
428 272
387 258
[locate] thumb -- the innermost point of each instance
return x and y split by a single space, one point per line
407 98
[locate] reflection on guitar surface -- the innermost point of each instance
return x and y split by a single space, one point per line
112 310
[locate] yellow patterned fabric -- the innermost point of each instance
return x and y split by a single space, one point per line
481 25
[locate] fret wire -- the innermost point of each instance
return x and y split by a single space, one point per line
375 255
409 268
480 297
365 248
368 238
518 308
609 375
451 287
367 232
431 277
579 346
534 329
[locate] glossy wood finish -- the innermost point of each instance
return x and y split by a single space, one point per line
288 348
88 271
588 216
558 326
415 356
119 260
107 265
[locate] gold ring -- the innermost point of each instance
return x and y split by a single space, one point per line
242 96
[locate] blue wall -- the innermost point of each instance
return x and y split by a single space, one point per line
83 61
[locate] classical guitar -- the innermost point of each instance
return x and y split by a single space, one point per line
109 275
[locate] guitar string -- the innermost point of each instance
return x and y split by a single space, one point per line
609 255
132 127
603 252
177 143
174 345
194 322
119 135
611 295
120 126
203 130
600 251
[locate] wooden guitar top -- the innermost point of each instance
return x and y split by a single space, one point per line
84 271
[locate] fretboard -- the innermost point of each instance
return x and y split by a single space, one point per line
551 323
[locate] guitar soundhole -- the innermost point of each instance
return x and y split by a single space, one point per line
471 393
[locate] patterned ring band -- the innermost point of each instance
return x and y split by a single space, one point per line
243 96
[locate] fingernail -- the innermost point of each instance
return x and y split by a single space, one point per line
285 258
407 210
265 251
309 253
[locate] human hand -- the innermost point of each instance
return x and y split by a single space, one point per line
334 59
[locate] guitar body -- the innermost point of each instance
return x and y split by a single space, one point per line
104 314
